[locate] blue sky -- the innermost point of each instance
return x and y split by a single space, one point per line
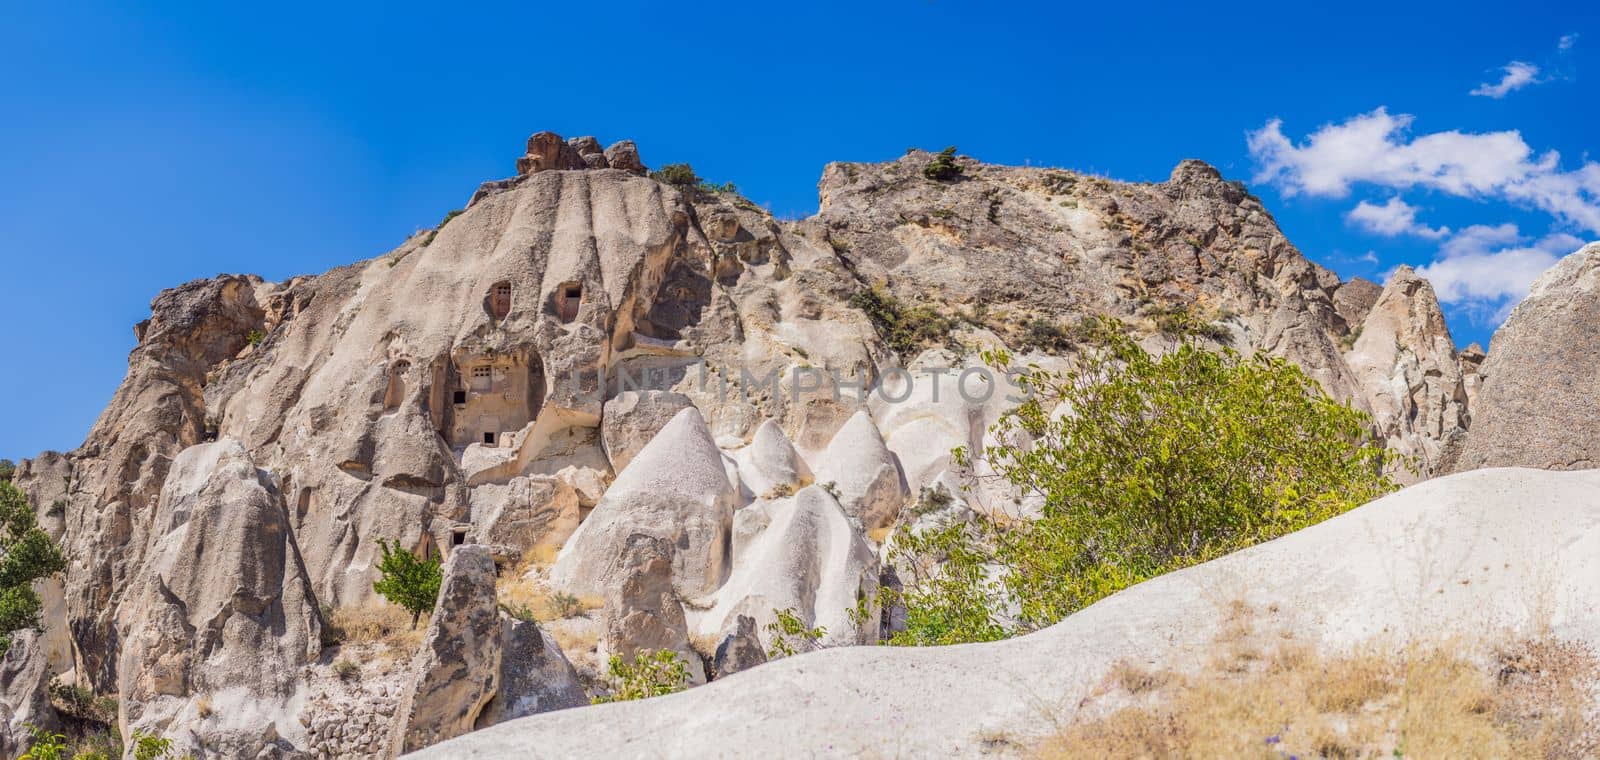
140 148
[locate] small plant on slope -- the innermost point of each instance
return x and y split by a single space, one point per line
790 636
651 674
943 167
408 581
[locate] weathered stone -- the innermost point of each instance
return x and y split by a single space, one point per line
865 473
24 693
624 155
1537 403
632 418
740 648
535 676
456 672
547 151
643 612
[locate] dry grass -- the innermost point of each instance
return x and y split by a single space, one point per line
878 535
1532 700
384 625
575 640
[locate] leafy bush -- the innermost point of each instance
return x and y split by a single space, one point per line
651 674
448 217
82 703
7 469
408 581
45 745
681 175
1046 336
151 747
1166 462
347 670
904 328
26 555
1179 321
943 167
255 337
791 637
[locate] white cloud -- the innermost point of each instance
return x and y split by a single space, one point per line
1567 41
1376 148
1516 75
1392 219
1488 269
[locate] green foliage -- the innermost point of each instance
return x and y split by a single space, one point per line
790 636
904 328
448 217
408 581
681 175
1165 463
255 337
520 612
651 674
7 469
151 747
44 745
1046 336
713 189
564 605
1179 321
943 167
26 555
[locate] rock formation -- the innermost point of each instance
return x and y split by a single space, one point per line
1415 565
681 392
1409 373
1536 405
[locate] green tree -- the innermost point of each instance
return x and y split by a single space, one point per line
651 674
681 175
7 469
26 555
943 167
791 636
45 745
408 581
1161 463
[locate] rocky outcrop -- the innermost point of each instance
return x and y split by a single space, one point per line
804 555
1536 406
632 418
24 693
864 473
456 672
535 676
740 649
643 612
1409 374
676 490
1417 565
475 386
221 617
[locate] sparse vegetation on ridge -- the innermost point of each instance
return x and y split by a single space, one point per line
943 167
904 328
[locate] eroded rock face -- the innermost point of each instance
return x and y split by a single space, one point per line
643 612
221 612
456 673
24 693
1409 373
535 676
465 388
740 648
1536 406
676 490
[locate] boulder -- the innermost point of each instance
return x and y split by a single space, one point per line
1418 565
222 612
24 693
1537 403
676 489
643 612
535 676
769 465
526 512
865 473
740 649
455 673
547 151
624 155
1354 299
632 418
589 150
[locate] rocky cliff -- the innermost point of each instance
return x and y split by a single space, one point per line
643 375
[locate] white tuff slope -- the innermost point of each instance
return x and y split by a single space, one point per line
1475 554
